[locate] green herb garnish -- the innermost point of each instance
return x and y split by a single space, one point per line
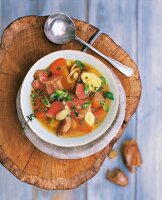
29 118
33 95
80 64
73 107
104 106
34 103
49 72
76 113
86 89
108 95
100 89
54 97
51 121
68 97
59 68
60 95
46 102
68 63
45 110
103 80
92 94
86 105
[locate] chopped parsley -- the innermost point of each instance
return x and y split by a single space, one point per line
76 113
58 68
33 95
73 107
34 103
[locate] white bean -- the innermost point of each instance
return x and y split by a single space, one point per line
62 115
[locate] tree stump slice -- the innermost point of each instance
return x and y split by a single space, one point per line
23 43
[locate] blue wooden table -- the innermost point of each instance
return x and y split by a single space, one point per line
136 25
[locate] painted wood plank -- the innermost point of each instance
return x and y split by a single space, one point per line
149 177
74 9
118 20
13 9
78 193
12 188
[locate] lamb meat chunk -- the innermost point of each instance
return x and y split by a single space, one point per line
131 155
37 85
40 75
118 177
64 126
53 83
80 91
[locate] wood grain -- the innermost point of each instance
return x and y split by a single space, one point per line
27 163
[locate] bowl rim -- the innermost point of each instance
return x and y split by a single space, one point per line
39 130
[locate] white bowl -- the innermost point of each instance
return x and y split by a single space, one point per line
38 129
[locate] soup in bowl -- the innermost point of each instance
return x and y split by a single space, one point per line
72 96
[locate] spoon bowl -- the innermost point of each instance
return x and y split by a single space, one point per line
59 28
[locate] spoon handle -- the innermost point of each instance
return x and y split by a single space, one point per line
127 71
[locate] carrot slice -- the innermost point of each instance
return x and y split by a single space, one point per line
97 99
57 66
99 113
40 115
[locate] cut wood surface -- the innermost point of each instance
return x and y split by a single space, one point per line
23 43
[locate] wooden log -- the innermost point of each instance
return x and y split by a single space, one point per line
23 43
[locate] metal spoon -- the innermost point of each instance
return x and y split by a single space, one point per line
60 29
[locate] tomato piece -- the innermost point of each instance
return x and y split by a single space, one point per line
39 109
55 108
97 99
57 66
40 115
99 113
80 91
